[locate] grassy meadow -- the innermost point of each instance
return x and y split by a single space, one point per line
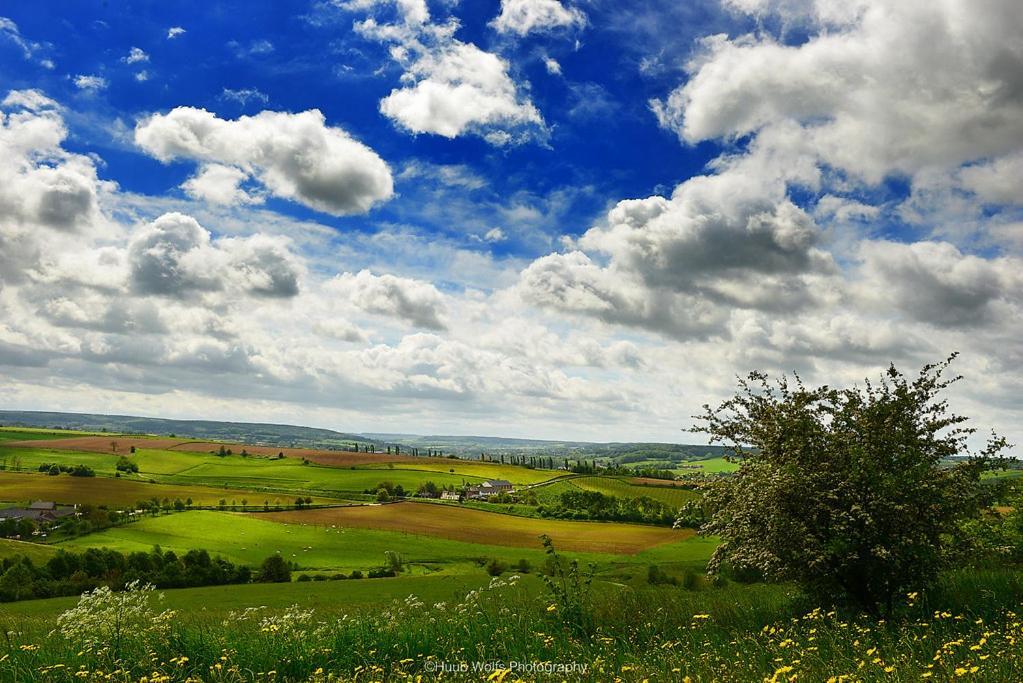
616 486
332 539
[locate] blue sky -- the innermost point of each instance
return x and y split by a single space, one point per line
520 217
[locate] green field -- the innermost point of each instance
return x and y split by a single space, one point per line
471 468
248 539
613 486
34 551
288 475
709 466
24 487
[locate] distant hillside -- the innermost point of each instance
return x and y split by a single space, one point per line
242 432
649 454
624 453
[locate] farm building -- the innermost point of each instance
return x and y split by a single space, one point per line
494 486
38 511
449 495
489 488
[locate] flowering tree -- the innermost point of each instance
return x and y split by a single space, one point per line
848 492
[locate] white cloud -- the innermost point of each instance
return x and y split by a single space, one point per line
936 284
552 66
175 257
90 83
521 17
142 76
244 95
220 184
174 31
495 235
996 181
135 56
879 88
294 156
414 301
460 89
450 88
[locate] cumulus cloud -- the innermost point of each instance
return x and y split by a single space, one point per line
678 264
935 283
414 301
176 257
996 181
219 184
878 87
174 31
521 17
461 89
574 283
450 88
44 186
293 156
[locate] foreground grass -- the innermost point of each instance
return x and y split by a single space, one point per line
965 628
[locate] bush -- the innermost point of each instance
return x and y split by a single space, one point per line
274 570
495 567
847 492
126 465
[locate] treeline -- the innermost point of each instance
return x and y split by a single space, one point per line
55 469
594 505
68 573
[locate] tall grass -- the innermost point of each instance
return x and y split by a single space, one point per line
963 628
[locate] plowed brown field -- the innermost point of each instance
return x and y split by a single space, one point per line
491 528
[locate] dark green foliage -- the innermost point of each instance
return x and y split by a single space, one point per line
274 570
73 573
126 465
596 505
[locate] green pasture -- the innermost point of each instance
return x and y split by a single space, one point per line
247 539
475 469
34 551
709 466
285 476
613 486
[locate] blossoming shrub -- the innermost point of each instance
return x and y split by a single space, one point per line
116 626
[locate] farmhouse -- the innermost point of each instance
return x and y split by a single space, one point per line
492 487
39 511
449 495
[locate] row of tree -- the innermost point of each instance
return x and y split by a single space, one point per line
596 505
68 573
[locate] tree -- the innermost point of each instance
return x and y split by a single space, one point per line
274 570
848 492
